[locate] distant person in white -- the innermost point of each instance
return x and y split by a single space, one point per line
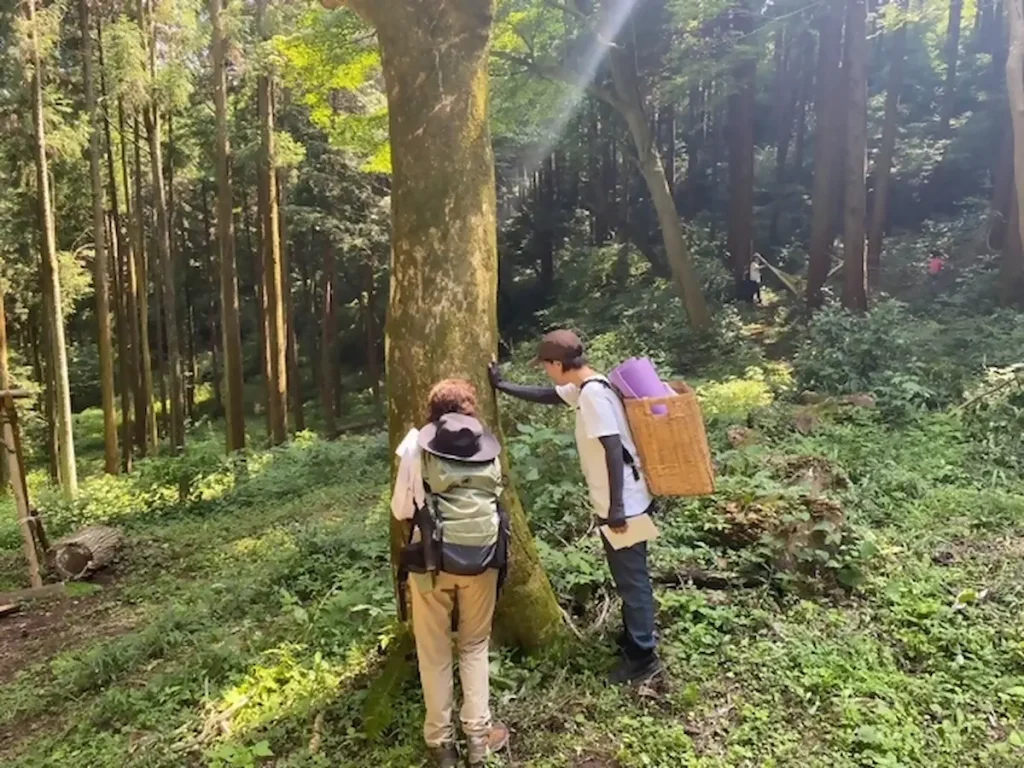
611 467
755 277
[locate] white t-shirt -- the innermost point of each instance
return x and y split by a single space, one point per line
755 272
600 413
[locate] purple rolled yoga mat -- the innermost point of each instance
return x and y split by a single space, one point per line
638 378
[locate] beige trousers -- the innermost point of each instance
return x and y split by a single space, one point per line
431 621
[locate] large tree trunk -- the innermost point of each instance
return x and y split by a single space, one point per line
952 60
883 163
142 272
101 286
443 310
1013 255
741 155
5 383
828 153
229 302
61 388
277 384
629 102
855 202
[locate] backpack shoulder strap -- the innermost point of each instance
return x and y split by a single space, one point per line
627 457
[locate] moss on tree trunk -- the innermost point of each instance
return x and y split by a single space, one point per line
442 316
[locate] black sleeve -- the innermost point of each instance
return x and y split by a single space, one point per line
541 395
615 461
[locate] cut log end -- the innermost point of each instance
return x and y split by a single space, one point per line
84 553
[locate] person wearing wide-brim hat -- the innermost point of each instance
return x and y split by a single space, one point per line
449 483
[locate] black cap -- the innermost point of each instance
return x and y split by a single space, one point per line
562 346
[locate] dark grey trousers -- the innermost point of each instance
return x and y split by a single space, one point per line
633 583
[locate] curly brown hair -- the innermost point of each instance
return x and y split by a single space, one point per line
452 396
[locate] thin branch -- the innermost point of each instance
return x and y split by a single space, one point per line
561 74
566 8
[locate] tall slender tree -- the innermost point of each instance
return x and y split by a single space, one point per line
855 197
58 382
101 285
273 292
162 238
883 162
952 55
828 153
741 150
229 302
1013 252
142 274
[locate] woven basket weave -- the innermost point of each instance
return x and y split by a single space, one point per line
673 445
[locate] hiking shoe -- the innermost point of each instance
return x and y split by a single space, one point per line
495 741
445 756
635 671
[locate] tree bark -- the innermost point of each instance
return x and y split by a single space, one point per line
101 285
952 60
741 154
855 202
124 282
142 273
123 347
85 552
629 102
277 384
151 117
67 471
883 163
1013 260
295 397
229 302
827 155
443 310
329 341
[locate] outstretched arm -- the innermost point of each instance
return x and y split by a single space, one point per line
541 395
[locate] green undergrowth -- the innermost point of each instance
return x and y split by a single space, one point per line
851 595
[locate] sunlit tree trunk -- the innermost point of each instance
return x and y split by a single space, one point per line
229 302
629 102
101 285
883 163
277 384
443 311
828 152
295 397
855 200
59 384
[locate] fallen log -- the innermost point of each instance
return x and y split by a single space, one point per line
83 553
7 610
34 593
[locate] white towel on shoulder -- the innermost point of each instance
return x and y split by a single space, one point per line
408 493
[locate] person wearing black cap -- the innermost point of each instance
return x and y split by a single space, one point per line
449 484
610 464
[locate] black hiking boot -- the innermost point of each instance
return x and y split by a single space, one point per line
445 756
635 671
